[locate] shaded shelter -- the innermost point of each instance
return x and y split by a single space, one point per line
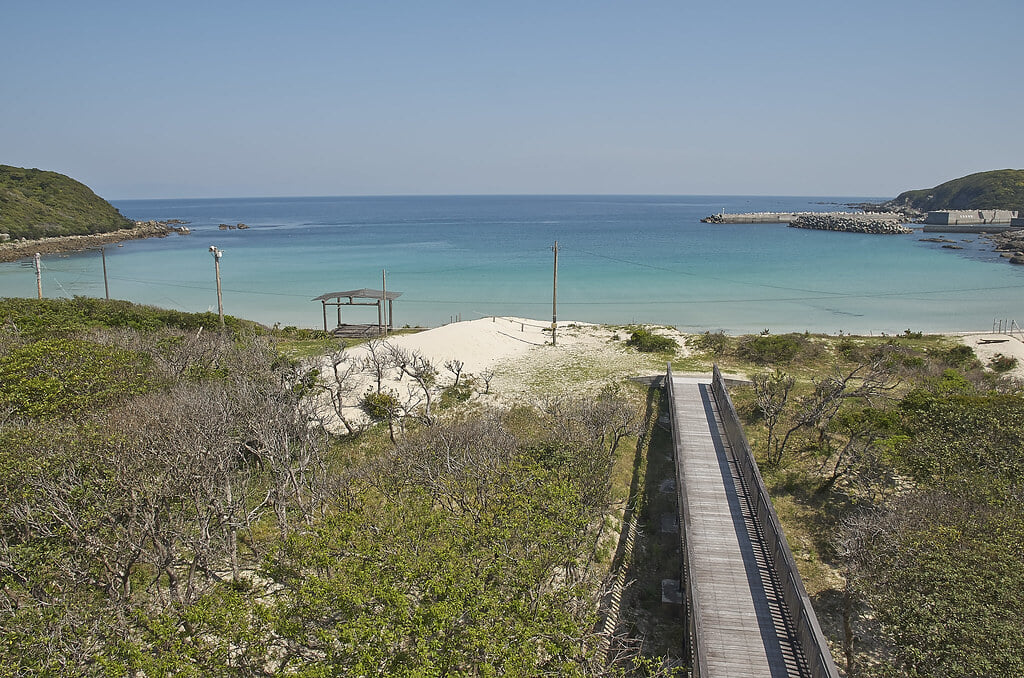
362 297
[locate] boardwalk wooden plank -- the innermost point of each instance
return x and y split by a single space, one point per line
742 631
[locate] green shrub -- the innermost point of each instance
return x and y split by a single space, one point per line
1002 363
453 395
771 348
646 341
37 318
380 406
851 350
55 377
959 356
714 343
301 333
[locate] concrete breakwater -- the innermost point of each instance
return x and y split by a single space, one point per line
852 223
789 217
753 218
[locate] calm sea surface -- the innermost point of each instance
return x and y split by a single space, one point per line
621 259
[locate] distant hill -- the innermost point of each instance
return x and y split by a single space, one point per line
998 189
37 204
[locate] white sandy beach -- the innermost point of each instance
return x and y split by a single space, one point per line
523 365
988 345
518 352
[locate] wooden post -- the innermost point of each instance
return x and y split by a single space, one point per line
554 301
323 302
106 287
384 296
39 277
220 298
217 254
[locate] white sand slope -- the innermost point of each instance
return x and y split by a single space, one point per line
518 356
479 344
987 345
524 367
519 353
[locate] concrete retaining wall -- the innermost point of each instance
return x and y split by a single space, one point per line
954 217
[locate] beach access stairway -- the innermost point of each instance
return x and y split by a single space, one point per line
746 610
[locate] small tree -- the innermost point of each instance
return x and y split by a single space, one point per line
378 361
771 393
341 392
382 406
417 367
455 367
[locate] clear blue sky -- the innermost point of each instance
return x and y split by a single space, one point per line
217 98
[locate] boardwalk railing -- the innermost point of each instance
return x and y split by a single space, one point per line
691 611
805 622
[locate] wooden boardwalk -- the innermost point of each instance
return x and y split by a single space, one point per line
739 622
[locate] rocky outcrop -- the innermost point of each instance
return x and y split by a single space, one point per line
21 248
851 223
1010 244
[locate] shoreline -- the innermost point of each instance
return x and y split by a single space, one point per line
23 249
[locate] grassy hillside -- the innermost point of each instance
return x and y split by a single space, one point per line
998 189
37 204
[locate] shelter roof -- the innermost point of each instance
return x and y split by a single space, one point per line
363 293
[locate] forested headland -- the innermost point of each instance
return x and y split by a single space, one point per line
995 189
39 204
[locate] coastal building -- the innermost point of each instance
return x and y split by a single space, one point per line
954 217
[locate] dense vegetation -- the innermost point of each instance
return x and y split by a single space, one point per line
37 204
43 318
997 189
173 501
180 500
897 465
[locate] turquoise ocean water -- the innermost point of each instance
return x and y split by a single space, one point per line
622 259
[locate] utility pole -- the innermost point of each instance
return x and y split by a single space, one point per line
106 287
554 301
384 297
217 254
39 277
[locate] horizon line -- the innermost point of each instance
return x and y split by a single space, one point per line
509 195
